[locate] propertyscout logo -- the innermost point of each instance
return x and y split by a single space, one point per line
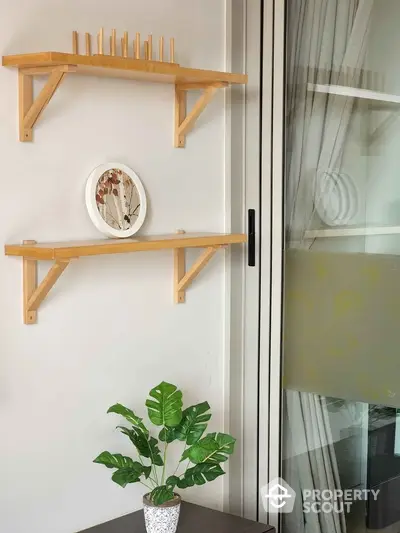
279 497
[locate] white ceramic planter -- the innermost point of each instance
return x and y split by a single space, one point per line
161 518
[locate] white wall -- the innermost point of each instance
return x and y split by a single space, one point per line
109 331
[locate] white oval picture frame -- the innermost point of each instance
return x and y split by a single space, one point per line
116 200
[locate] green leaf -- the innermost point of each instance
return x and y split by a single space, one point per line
172 481
161 495
166 408
129 471
167 435
123 476
194 423
146 471
146 446
213 448
155 454
129 416
116 460
192 426
200 474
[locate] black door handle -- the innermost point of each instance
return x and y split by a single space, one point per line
251 241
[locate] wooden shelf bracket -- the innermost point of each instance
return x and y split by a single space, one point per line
183 279
34 294
30 109
184 122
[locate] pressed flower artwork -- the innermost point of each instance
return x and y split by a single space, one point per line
116 200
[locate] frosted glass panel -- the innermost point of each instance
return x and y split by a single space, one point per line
342 325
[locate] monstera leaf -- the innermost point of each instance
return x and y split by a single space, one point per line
172 481
129 471
213 448
167 435
129 416
146 446
115 460
166 407
123 476
162 494
192 426
197 475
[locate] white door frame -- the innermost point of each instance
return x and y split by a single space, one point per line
255 157
252 293
243 160
272 243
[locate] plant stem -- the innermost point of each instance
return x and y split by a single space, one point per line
156 475
151 479
150 489
187 465
165 460
179 464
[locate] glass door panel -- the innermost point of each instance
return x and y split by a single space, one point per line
341 335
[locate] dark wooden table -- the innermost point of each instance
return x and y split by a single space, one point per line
193 519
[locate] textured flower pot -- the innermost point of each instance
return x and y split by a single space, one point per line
161 518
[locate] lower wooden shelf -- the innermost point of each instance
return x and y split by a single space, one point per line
63 253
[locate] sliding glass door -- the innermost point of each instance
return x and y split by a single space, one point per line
340 421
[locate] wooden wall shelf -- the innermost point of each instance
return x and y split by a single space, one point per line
57 64
63 253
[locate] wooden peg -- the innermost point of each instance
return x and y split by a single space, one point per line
161 46
150 46
172 50
75 42
126 41
146 50
88 44
137 46
101 41
113 42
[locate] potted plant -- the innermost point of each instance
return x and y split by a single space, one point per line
200 461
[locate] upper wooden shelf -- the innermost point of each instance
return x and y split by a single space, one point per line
119 67
70 250
63 253
57 65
